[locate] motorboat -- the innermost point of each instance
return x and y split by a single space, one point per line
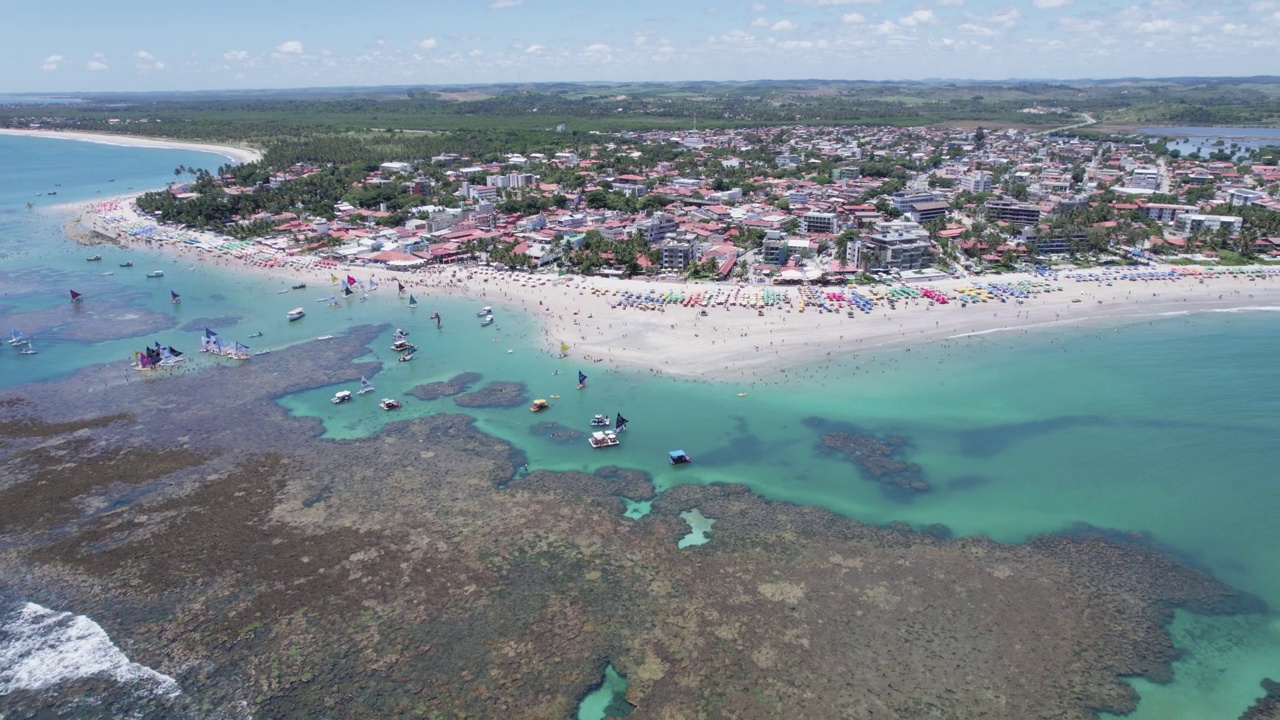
155 274
679 457
127 264
296 313
488 320
539 405
607 438
405 357
403 346
389 404
300 286
601 421
95 258
341 396
486 310
325 337
257 334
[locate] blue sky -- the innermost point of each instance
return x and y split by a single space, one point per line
91 45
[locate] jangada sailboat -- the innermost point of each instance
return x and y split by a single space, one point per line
28 350
413 301
16 338
75 296
564 350
365 386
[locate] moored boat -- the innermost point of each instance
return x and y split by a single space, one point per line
127 264
486 310
600 420
155 274
607 438
403 346
341 396
488 320
539 405
405 357
296 313
300 286
389 404
679 457
95 258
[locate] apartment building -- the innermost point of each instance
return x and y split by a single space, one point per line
1018 213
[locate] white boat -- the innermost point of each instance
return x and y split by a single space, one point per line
600 421
325 337
16 338
486 310
603 439
389 404
403 346
28 350
488 320
296 313
341 397
155 274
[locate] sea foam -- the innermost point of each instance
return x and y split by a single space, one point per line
40 647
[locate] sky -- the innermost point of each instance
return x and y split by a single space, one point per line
94 46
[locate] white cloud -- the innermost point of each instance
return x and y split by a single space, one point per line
533 49
759 7
235 55
919 17
1157 26
853 18
597 49
290 47
96 65
500 4
831 3
53 62
950 3
428 43
144 55
784 26
1051 3
760 22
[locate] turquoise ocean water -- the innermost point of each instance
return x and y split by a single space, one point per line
1166 428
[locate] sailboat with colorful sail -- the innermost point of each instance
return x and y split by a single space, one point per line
413 301
582 380
352 281
174 297
564 350
75 296
365 386
347 291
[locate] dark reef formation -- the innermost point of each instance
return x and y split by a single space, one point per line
556 432
494 395
425 572
453 386
1268 706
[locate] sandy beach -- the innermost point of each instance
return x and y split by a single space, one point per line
730 341
236 153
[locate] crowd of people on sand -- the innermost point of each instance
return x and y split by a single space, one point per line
690 329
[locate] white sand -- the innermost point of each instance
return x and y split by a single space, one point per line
738 342
235 153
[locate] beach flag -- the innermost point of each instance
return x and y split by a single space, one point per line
75 296
209 333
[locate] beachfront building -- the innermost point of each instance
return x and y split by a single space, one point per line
978 181
1190 223
819 222
923 212
774 249
899 245
657 227
1165 212
1012 211
903 199
675 254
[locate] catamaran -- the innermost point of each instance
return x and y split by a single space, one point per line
365 386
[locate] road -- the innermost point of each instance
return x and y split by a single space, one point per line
1088 120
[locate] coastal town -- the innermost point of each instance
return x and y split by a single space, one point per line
770 206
